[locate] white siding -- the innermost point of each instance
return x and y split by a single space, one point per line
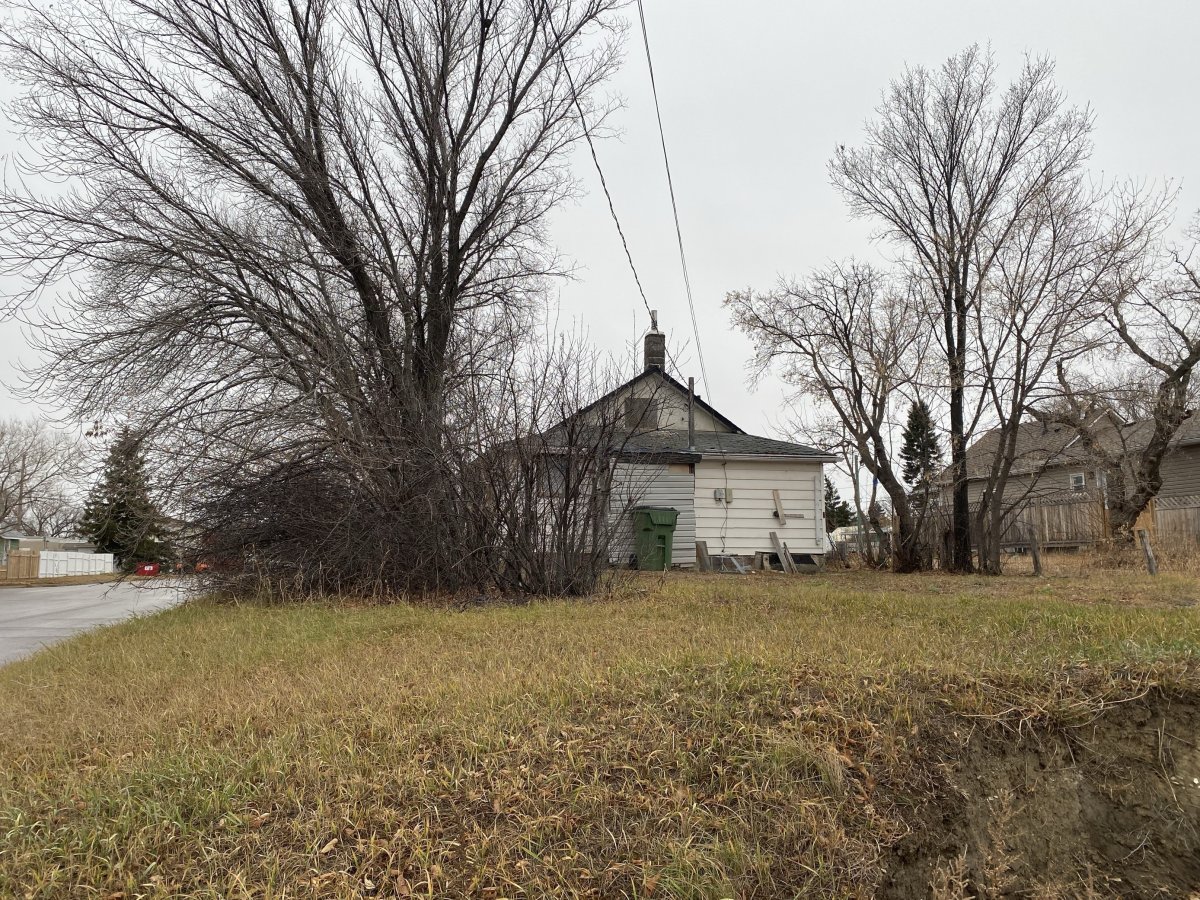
744 525
668 486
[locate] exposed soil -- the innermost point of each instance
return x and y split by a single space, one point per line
1108 809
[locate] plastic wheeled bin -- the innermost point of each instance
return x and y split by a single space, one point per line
653 532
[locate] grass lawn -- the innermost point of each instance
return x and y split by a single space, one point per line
694 736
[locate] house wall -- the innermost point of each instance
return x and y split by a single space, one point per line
664 485
743 526
1181 473
671 404
1054 480
673 407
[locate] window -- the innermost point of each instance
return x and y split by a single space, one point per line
1078 481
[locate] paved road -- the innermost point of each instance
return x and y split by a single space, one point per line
32 617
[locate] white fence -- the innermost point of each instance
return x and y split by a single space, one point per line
55 563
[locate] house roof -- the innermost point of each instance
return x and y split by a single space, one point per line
709 443
663 376
671 445
1040 444
1135 435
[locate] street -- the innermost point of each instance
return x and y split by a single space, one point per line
34 617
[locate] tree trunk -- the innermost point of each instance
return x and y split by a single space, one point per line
960 519
908 551
990 537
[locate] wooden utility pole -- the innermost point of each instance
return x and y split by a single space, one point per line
1151 562
691 413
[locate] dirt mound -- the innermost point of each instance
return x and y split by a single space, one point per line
1107 809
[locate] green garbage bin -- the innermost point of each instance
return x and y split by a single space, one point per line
653 532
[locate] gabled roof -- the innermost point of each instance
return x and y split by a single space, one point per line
1135 435
1042 444
667 445
1038 444
663 376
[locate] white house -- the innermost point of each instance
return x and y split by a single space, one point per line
731 489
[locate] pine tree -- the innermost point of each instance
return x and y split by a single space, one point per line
921 452
837 510
119 517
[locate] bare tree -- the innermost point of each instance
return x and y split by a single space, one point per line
1047 285
1128 415
38 467
950 170
555 490
850 338
55 514
299 231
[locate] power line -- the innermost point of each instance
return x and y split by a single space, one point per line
687 282
587 134
612 209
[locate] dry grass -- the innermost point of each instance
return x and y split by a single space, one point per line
1178 556
700 736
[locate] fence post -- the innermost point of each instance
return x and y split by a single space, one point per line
1151 562
1035 550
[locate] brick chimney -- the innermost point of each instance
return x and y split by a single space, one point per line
654 348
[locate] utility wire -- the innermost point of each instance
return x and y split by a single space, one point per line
687 282
587 133
612 209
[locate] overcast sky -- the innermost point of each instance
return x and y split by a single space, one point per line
755 97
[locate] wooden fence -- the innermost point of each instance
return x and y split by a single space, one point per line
1067 521
1058 522
22 564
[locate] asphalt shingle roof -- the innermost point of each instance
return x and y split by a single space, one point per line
715 443
1039 445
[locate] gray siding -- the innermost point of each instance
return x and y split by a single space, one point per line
1054 480
1181 473
669 486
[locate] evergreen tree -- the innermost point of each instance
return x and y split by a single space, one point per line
921 452
119 517
837 510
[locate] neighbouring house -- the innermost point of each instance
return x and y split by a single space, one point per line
730 489
26 556
1061 488
17 540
